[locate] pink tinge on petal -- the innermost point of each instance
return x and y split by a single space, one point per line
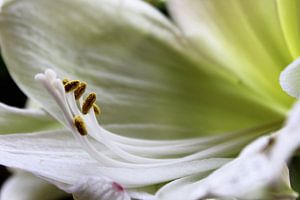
99 187
117 187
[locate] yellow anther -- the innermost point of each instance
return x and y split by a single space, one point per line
71 85
88 103
80 125
65 80
97 109
80 90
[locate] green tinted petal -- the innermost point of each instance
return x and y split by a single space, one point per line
243 36
289 18
147 79
282 189
16 120
257 173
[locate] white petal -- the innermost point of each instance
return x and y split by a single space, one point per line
141 195
25 186
288 138
192 188
290 79
54 154
289 20
242 178
134 59
179 189
32 104
258 170
16 120
239 178
241 36
98 188
57 156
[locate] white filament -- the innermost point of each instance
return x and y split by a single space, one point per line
133 152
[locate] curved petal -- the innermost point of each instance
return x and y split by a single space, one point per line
258 172
179 189
137 62
141 195
55 155
24 186
289 19
289 79
185 188
91 188
242 36
16 120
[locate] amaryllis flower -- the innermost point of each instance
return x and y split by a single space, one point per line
179 97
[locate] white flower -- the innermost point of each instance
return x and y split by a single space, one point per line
177 101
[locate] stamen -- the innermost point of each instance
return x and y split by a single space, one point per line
71 85
88 124
80 125
65 81
97 109
80 90
88 103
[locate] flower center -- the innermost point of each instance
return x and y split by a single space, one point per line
111 149
80 115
